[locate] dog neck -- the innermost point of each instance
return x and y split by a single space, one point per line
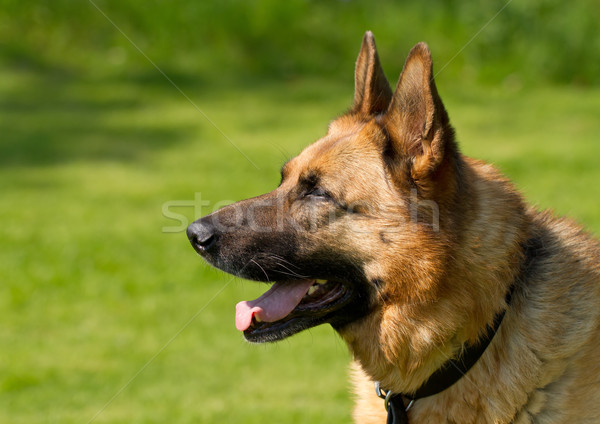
397 404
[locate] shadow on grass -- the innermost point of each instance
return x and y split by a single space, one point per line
49 119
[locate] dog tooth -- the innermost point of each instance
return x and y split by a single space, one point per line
321 281
257 319
311 290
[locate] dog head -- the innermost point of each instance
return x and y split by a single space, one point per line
355 223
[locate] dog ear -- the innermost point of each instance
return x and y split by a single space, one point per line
372 92
416 119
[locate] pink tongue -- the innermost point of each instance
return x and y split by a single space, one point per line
272 306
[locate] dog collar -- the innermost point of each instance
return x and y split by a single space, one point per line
397 404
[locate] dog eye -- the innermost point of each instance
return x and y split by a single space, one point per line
317 192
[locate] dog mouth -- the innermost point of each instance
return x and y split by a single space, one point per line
289 307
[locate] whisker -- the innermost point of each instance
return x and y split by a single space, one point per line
286 261
295 275
280 258
291 272
261 268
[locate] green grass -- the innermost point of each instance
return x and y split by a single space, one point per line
96 297
537 40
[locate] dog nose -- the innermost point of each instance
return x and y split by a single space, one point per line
201 235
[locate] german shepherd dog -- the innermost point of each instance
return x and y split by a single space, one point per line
419 257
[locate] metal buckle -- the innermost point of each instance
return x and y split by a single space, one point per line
386 395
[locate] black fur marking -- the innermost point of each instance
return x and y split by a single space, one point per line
310 180
534 250
383 238
397 165
377 282
390 154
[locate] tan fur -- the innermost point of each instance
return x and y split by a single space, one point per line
441 288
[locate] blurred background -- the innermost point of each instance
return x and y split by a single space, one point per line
121 121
